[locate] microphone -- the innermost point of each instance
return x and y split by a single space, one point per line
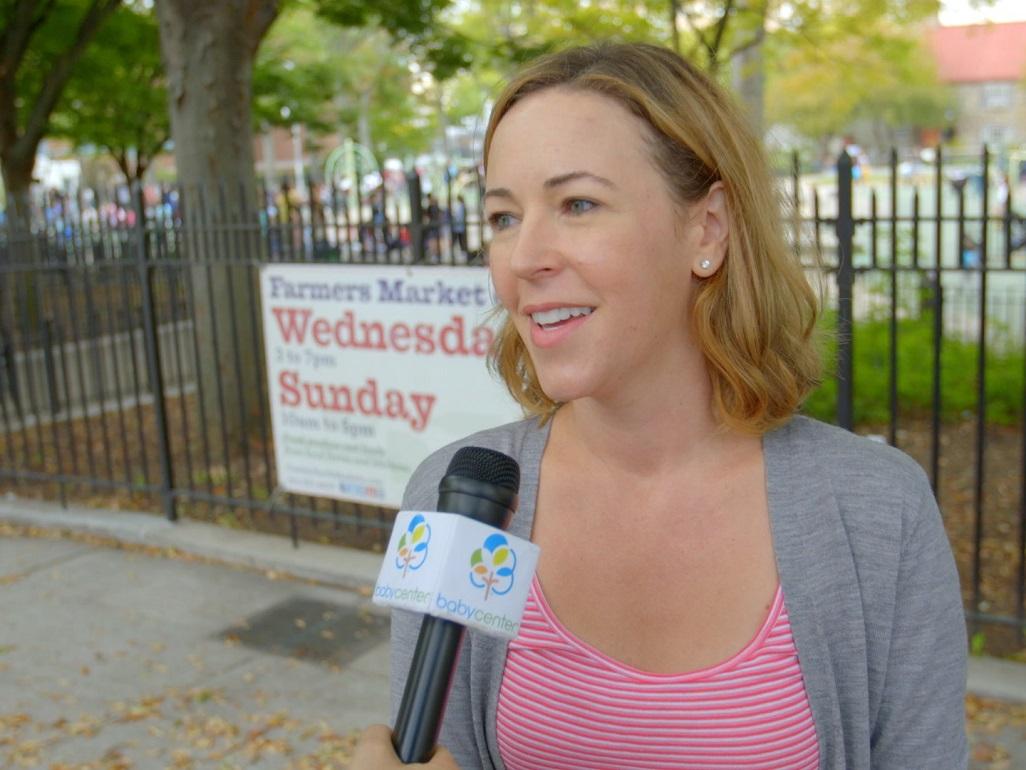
483 485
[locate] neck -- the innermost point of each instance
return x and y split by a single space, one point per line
648 435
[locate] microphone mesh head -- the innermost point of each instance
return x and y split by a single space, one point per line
487 465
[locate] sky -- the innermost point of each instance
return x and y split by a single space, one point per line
963 12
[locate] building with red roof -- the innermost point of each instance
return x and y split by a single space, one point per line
985 64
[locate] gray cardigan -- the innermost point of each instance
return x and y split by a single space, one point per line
870 584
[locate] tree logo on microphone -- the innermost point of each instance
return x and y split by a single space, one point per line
413 545
492 566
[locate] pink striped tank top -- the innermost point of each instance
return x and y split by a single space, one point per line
563 705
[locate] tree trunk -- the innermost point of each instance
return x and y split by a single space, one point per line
17 176
443 124
674 29
208 51
363 128
750 71
750 83
19 308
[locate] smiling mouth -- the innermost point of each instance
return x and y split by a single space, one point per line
552 319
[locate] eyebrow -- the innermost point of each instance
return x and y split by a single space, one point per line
556 181
552 183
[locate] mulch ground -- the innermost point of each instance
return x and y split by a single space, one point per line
119 450
1002 515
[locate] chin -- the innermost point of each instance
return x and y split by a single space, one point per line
563 389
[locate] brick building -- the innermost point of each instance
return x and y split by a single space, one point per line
985 65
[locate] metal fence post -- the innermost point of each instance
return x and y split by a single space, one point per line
8 371
845 283
153 367
416 217
50 367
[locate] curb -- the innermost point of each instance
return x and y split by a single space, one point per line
337 566
997 678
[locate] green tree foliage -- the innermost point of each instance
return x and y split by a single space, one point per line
117 98
335 79
867 69
299 72
401 122
40 45
771 41
715 31
506 33
503 34
827 63
416 23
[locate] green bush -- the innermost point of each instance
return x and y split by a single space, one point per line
959 374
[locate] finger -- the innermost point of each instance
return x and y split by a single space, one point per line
374 750
378 733
442 759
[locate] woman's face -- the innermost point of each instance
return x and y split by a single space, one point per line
590 255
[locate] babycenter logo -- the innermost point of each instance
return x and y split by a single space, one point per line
413 545
492 566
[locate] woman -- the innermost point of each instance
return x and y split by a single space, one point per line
459 226
721 583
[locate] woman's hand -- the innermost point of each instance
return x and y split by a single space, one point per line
375 752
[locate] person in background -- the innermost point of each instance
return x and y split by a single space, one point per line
379 220
459 225
722 581
1016 222
432 228
289 222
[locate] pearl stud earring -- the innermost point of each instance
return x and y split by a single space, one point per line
705 264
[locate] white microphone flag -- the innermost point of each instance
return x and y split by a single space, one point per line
457 568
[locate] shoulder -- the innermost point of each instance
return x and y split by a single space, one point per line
879 491
872 591
519 440
842 457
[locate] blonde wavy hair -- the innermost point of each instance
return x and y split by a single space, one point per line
754 318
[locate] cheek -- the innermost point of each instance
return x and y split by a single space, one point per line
665 287
503 280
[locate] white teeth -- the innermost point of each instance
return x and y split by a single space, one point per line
547 317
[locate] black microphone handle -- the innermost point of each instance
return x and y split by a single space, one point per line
434 658
427 689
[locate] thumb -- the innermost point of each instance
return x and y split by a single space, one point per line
442 759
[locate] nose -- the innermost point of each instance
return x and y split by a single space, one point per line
535 251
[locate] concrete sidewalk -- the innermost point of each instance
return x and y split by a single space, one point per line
121 658
332 565
253 653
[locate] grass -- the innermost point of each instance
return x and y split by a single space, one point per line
1004 374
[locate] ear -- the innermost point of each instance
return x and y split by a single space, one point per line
712 221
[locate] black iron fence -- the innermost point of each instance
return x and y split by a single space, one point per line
110 309
927 269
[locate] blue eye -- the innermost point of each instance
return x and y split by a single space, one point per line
579 206
500 220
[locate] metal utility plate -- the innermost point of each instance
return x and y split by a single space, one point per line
312 630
